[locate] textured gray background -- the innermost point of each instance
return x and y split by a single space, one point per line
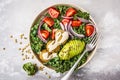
16 16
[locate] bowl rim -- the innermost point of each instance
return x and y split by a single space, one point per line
91 54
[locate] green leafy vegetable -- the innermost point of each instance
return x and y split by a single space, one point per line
45 26
57 24
86 40
81 14
47 15
62 9
36 43
30 68
65 65
80 29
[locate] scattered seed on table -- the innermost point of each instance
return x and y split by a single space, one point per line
46 73
49 77
20 42
35 64
32 56
28 58
16 41
23 59
3 48
25 56
27 45
21 36
25 37
11 36
28 50
22 54
22 50
19 48
41 68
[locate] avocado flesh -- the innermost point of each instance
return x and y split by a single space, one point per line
71 49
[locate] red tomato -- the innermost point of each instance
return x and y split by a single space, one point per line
76 23
70 12
65 21
53 12
53 33
89 30
49 21
44 34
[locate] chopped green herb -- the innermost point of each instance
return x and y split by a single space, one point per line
36 43
65 65
81 14
45 26
86 40
30 68
62 9
81 29
57 24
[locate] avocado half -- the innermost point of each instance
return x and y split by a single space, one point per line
71 49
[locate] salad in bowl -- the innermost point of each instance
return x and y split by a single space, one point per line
59 35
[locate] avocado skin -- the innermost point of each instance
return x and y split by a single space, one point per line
71 49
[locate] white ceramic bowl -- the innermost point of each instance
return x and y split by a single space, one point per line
76 7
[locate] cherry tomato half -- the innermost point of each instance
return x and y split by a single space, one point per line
89 30
53 33
53 12
70 12
49 21
65 21
45 34
76 23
